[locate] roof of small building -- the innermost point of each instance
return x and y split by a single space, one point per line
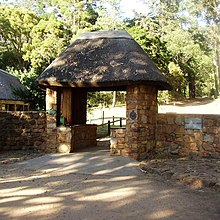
8 84
103 59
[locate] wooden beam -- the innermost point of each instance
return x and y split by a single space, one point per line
58 107
79 105
13 102
66 104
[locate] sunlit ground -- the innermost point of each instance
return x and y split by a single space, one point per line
194 107
96 186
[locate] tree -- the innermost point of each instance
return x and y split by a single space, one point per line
188 54
32 93
209 11
76 15
170 33
15 27
32 43
48 40
109 15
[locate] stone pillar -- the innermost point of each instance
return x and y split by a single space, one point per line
64 137
51 146
50 99
141 107
117 142
51 107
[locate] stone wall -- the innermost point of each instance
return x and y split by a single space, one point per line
66 139
51 144
83 136
179 134
74 138
117 142
185 134
34 130
22 130
58 138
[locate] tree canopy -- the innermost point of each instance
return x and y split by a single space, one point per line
182 37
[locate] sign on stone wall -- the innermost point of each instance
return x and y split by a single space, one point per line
193 123
133 115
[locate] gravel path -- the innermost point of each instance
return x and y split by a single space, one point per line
193 171
72 193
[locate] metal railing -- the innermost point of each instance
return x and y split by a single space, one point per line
104 129
113 123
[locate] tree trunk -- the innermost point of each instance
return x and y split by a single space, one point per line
192 87
216 86
216 33
217 70
114 98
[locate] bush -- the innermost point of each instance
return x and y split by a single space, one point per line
32 94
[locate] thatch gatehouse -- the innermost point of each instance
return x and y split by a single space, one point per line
102 61
8 100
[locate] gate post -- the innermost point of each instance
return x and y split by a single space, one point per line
141 112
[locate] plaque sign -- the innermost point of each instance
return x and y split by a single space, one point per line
133 115
193 123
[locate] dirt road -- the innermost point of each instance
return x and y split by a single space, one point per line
93 185
197 106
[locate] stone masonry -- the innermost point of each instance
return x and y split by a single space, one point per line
37 130
83 136
22 130
58 138
65 139
51 142
146 132
117 142
141 113
175 137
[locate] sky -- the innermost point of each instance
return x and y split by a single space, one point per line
128 7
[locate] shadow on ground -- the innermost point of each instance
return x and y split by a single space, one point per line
94 185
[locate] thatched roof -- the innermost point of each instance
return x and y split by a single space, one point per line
103 59
8 84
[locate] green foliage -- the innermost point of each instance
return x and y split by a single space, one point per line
209 11
187 47
15 27
48 40
105 99
164 97
96 99
7 58
33 33
189 57
176 76
152 44
74 14
28 44
32 93
109 16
